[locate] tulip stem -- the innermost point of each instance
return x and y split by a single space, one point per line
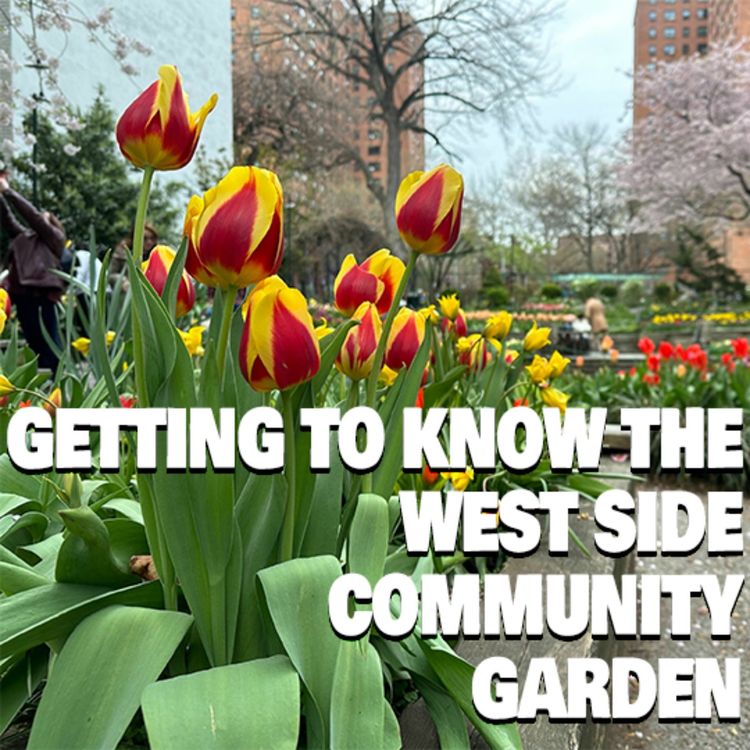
140 214
377 364
290 472
226 327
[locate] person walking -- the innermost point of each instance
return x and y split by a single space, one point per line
36 249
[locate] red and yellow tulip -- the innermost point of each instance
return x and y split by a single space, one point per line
357 354
375 280
156 270
279 348
473 351
236 230
404 339
428 210
158 129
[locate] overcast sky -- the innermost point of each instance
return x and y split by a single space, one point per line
592 42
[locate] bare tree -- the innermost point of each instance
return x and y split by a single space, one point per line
414 67
572 192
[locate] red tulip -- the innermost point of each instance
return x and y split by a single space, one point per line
156 270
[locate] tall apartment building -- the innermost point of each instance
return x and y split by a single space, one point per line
256 21
668 30
730 20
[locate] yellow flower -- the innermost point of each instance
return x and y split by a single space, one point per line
540 369
430 314
681 371
498 326
558 363
459 479
387 377
449 306
82 345
53 403
536 338
110 337
6 386
511 355
3 318
555 398
193 340
323 329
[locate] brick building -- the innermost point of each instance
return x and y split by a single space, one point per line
729 20
255 22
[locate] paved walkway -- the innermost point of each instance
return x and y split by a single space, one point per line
651 735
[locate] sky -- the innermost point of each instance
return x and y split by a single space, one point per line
592 45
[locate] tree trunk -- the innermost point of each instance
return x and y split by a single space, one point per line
393 180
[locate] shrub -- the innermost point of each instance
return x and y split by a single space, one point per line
632 292
663 293
551 291
609 292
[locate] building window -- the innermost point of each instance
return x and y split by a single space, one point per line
670 15
685 49
686 14
702 13
652 33
373 135
702 49
651 66
652 15
254 11
374 166
669 50
703 31
652 50
686 31
373 151
670 32
233 13
255 36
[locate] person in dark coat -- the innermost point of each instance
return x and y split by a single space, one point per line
36 249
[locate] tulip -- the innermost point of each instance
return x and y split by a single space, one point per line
646 345
109 337
521 402
322 329
390 270
536 338
458 326
511 355
557 364
235 231
607 343
614 355
5 302
666 350
279 348
387 377
681 370
82 345
498 326
158 130
459 479
540 370
430 314
358 352
580 361
450 306
741 348
428 210
127 402
653 362
375 280
3 318
405 338
193 340
429 477
6 387
472 352
554 398
156 270
53 403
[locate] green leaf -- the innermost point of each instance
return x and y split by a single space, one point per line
255 704
45 613
19 682
334 342
14 578
385 475
456 675
296 596
368 538
95 688
435 392
357 711
174 277
446 715
16 503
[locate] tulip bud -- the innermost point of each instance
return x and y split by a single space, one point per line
357 354
53 403
5 302
236 230
3 318
429 477
158 129
375 280
557 364
405 338
472 352
82 345
498 326
554 398
279 348
450 306
428 210
536 338
6 387
156 270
